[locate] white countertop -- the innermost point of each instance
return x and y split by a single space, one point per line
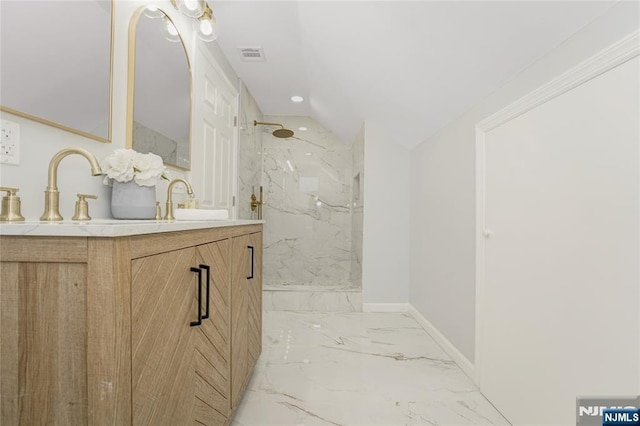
112 227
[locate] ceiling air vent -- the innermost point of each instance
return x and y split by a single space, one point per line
252 54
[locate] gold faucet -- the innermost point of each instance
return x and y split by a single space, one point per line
169 214
51 194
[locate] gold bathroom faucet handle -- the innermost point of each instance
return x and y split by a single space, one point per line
257 204
82 207
10 206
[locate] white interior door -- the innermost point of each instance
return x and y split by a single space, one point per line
215 136
559 304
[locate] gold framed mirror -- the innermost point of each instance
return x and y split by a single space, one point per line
57 64
159 89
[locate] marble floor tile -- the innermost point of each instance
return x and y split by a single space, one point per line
357 369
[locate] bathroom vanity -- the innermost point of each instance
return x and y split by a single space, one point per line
128 322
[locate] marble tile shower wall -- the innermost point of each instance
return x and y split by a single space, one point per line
357 208
307 181
249 154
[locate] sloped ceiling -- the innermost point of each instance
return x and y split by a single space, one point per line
409 66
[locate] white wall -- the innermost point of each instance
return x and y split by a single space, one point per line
443 187
40 142
385 245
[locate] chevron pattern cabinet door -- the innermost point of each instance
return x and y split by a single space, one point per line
213 340
254 305
180 372
246 311
240 268
164 302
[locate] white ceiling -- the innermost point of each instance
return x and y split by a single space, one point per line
409 66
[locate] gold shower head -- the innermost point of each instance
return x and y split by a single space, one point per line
278 133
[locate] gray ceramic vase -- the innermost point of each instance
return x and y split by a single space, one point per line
132 201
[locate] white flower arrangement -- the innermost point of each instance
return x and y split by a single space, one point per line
125 165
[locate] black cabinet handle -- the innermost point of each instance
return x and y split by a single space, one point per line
250 277
196 323
206 268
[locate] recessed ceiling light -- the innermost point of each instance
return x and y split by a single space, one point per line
297 99
302 129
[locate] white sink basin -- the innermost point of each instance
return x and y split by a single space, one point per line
201 214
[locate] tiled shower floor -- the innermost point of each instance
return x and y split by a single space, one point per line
357 369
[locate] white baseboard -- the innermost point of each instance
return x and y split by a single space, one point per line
465 365
385 307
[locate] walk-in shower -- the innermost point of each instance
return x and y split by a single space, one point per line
313 210
311 261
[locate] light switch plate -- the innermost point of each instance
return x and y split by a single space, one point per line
9 142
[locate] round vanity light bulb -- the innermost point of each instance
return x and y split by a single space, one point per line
192 8
297 99
191 4
206 29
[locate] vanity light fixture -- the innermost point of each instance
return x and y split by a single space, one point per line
297 99
190 8
205 25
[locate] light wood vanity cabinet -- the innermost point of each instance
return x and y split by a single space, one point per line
99 330
180 371
246 302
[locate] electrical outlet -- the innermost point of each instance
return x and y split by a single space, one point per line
9 142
